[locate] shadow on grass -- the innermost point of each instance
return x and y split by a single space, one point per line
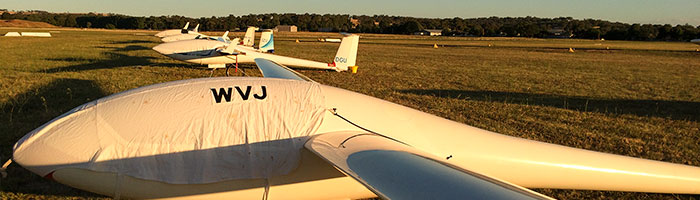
132 42
677 110
29 110
593 194
114 60
126 48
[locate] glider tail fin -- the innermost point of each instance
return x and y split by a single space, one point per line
347 52
267 42
249 38
225 38
196 28
184 29
230 49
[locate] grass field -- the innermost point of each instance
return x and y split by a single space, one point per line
638 99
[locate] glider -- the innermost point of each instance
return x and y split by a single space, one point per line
184 36
696 41
284 136
265 45
218 54
223 38
173 32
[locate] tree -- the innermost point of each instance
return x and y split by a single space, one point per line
6 15
665 32
634 32
70 21
411 26
647 32
491 26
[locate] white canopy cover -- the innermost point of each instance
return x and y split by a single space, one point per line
162 133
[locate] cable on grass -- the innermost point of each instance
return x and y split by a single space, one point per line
3 170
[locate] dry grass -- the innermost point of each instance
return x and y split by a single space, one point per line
638 99
24 24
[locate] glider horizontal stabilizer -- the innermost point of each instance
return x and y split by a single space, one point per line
395 171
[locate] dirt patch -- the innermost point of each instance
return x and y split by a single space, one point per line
24 24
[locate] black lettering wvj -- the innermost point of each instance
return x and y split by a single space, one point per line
225 93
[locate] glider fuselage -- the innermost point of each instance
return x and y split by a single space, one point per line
204 52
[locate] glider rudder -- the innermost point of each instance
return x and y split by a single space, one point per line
184 29
347 52
249 38
267 42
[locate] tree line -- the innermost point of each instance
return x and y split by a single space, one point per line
564 27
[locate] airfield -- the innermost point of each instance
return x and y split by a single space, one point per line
638 99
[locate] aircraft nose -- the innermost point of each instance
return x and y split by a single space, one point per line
164 49
55 144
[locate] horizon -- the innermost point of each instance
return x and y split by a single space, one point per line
674 12
370 15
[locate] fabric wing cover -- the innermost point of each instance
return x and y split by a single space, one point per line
178 133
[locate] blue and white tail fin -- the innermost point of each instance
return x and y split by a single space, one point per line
249 38
267 42
347 52
224 38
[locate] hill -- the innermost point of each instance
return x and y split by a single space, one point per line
24 24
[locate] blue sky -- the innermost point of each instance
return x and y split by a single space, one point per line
629 11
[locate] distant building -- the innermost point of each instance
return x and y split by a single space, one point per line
285 28
430 32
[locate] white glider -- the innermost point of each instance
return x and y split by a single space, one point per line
223 38
188 36
287 137
217 54
185 35
266 44
172 32
696 41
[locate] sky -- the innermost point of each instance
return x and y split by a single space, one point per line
628 11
